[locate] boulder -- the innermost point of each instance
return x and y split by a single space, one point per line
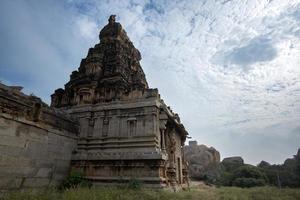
264 164
297 156
203 161
232 163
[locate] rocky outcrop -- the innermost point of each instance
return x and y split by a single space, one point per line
231 163
286 174
203 161
263 164
234 159
292 164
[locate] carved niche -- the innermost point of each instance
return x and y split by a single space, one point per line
105 126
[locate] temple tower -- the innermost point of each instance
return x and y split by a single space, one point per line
127 132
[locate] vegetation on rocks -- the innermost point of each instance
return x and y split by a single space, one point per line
285 175
244 176
74 180
232 171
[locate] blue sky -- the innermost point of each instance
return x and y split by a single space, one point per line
229 68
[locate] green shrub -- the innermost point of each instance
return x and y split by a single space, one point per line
74 180
243 176
134 184
225 179
248 171
288 178
248 176
248 182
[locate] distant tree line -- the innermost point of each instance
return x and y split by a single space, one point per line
233 172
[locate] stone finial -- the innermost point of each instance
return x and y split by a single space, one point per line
112 19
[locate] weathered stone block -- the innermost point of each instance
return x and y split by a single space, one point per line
16 171
7 127
10 182
7 160
36 150
11 150
62 166
36 182
14 141
44 173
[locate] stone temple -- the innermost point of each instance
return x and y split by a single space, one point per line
122 129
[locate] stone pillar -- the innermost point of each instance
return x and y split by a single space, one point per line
163 142
84 126
97 131
172 168
163 119
91 127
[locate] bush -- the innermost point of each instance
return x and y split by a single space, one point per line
225 179
288 178
248 182
248 176
248 171
74 180
243 176
285 175
134 184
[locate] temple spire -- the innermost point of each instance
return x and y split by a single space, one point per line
110 71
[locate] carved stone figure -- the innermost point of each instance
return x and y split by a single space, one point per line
112 29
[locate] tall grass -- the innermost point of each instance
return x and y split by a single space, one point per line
117 193
257 193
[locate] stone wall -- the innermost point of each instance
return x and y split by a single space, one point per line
36 143
119 141
123 140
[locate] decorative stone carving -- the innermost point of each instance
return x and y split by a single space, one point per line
112 68
131 126
112 29
105 126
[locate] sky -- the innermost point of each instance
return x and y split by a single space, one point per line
229 68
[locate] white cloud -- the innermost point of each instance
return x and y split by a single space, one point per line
229 68
87 28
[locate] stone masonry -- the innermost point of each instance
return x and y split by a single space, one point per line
36 142
126 130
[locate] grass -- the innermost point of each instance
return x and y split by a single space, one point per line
258 193
114 193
